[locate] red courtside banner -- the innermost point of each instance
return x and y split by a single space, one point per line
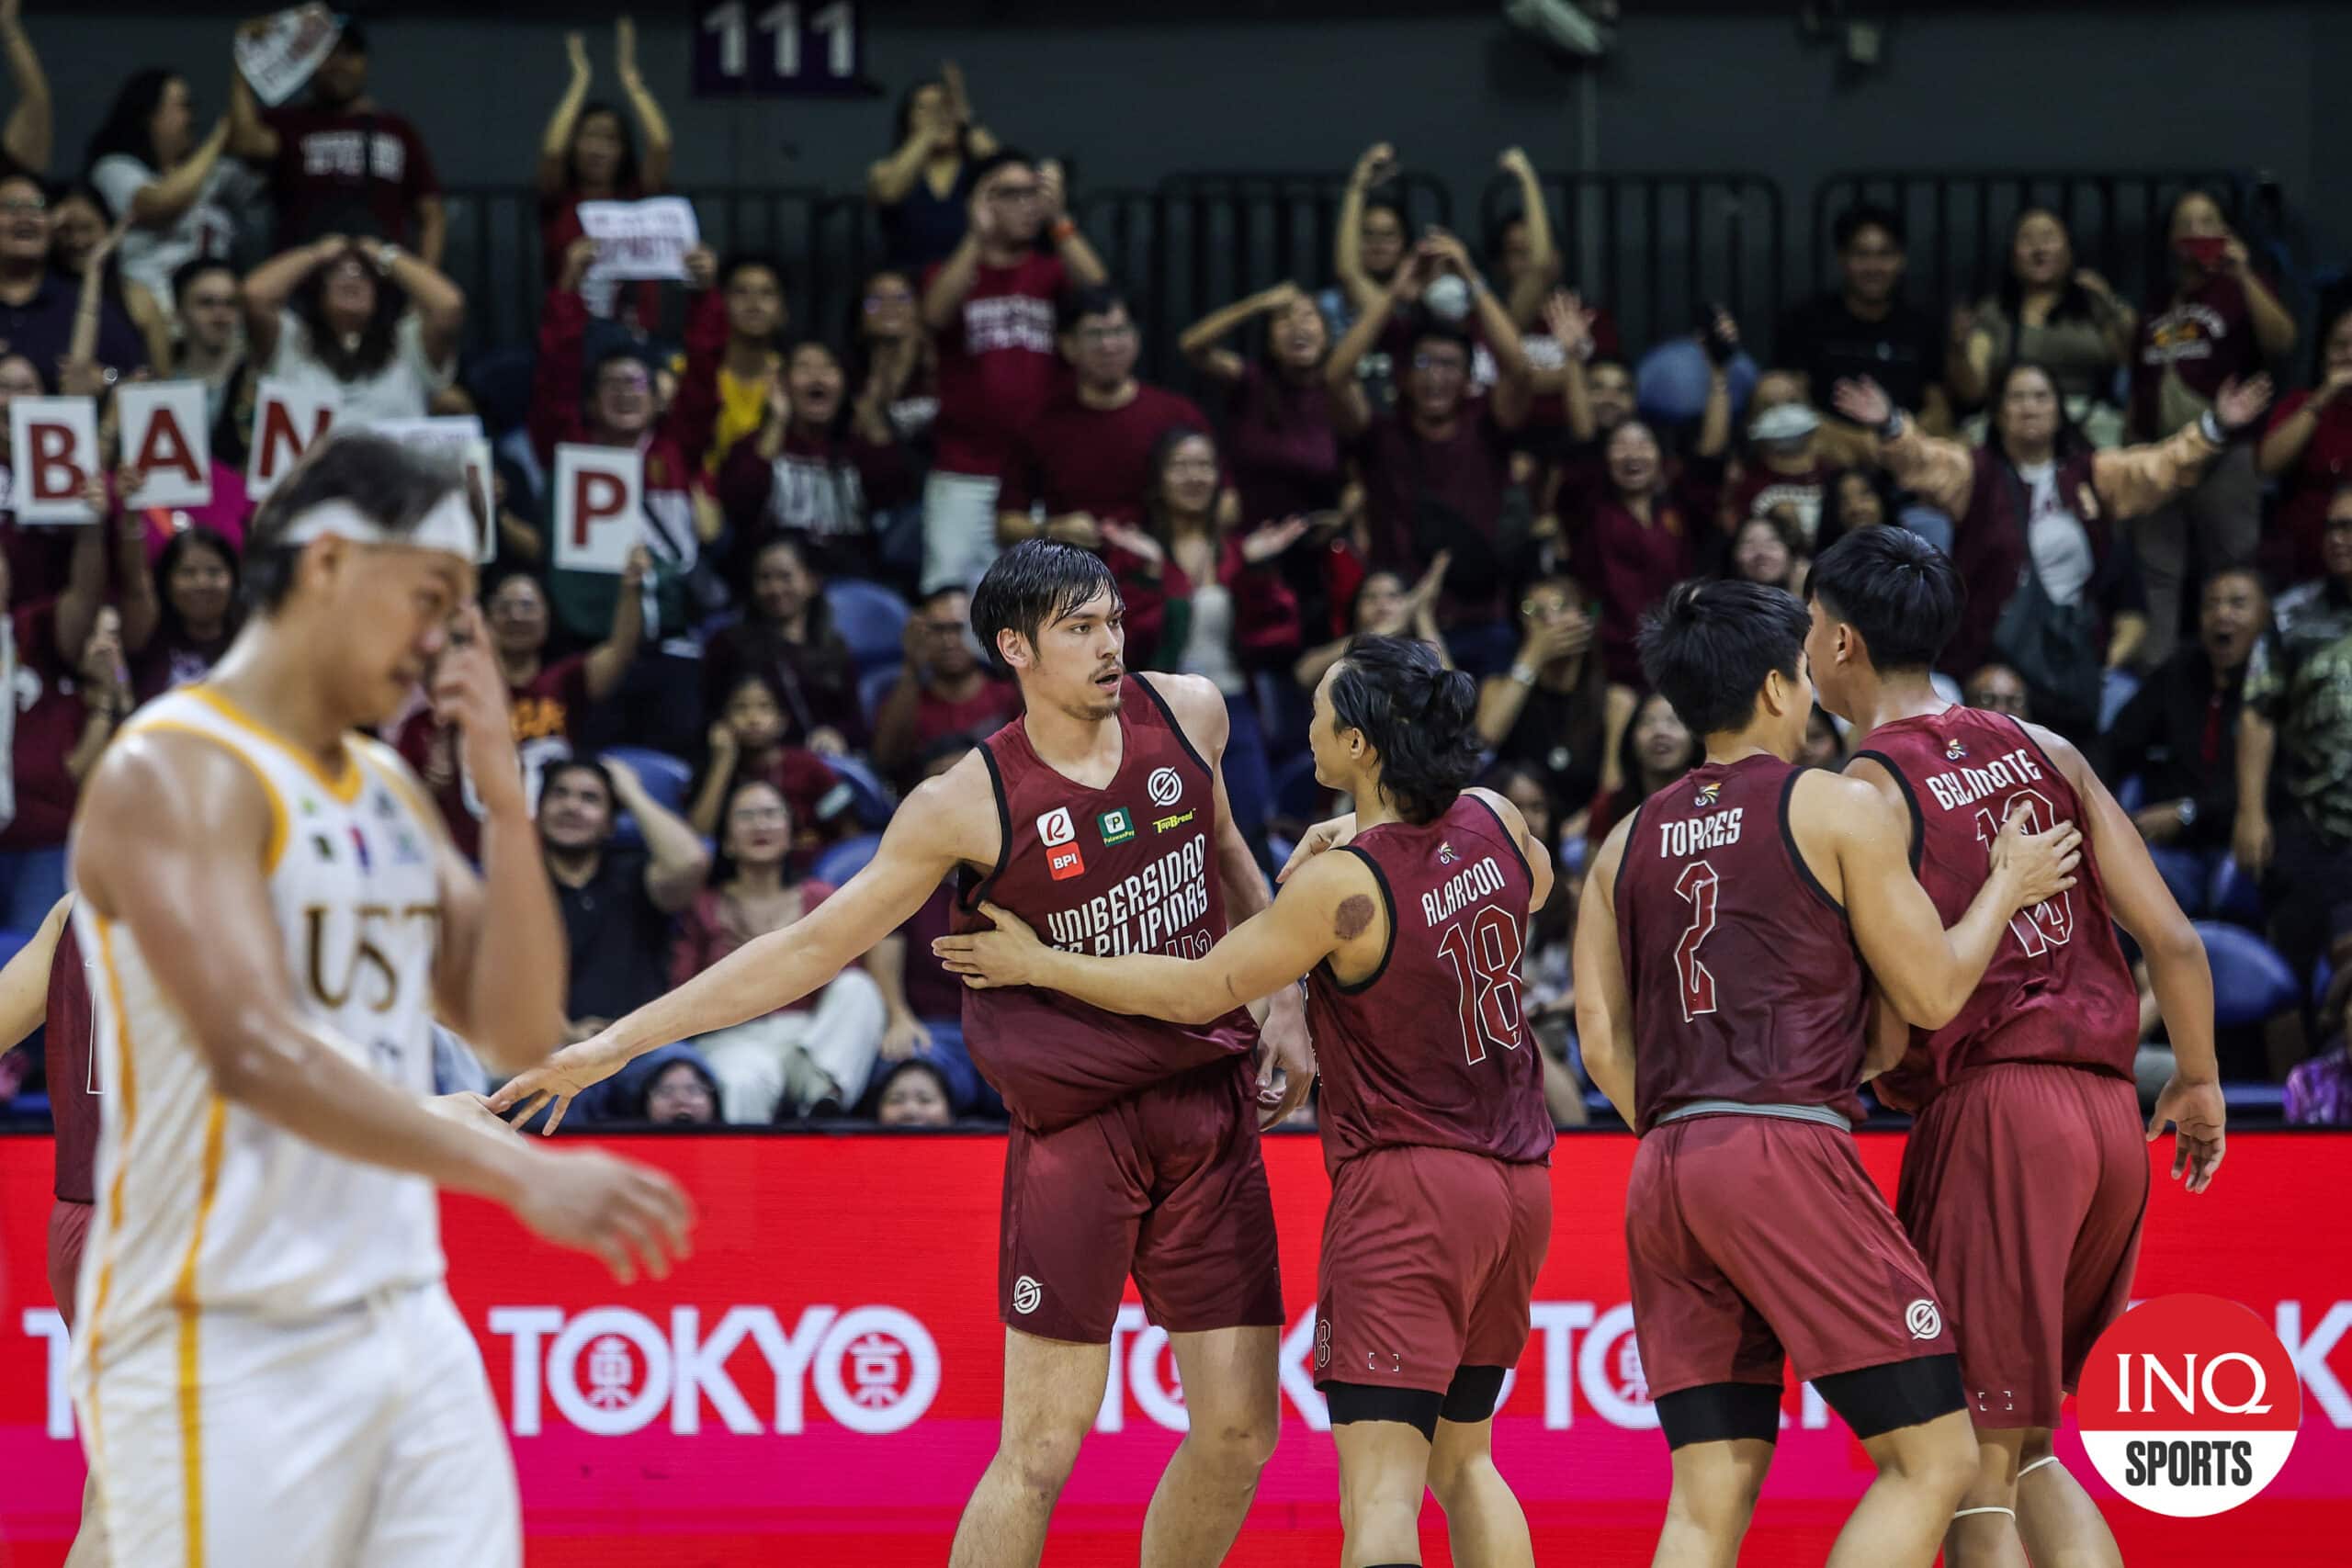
819 1385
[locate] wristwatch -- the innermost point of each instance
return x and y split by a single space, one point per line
1522 673
386 255
2187 812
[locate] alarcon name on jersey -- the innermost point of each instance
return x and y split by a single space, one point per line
1458 892
1142 912
1964 786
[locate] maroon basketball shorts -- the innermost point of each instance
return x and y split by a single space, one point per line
69 1229
1167 1184
1430 1259
2024 1185
1754 1239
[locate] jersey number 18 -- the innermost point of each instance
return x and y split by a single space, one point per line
1484 953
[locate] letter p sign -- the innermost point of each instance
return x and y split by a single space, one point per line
599 514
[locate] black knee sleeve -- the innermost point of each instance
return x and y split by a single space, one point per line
1720 1412
1470 1399
1873 1400
1416 1407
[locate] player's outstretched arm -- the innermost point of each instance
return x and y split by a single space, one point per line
24 982
1604 998
1283 1046
174 836
1329 902
947 820
1927 973
2192 1101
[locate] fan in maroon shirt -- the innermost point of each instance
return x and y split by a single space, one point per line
1432 1115
1436 469
1086 455
943 689
2025 1179
341 163
1724 1008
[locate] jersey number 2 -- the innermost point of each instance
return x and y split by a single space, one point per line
2049 923
1484 952
1698 883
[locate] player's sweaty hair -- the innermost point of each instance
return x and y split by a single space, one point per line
1901 593
1708 646
391 484
1033 585
1416 714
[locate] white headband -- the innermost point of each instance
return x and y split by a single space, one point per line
449 526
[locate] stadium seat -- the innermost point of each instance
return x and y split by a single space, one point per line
1295 789
1670 383
871 619
873 798
873 687
666 779
2131 793
839 863
2251 982
2321 977
2266 1100
2234 896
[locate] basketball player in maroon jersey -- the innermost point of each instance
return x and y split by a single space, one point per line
1434 1129
1724 1007
1099 815
2025 1177
45 983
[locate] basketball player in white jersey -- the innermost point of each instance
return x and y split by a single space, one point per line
269 1371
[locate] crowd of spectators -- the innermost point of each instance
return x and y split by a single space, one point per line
1426 442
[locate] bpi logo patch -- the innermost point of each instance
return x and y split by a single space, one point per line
1923 1320
1166 786
2189 1405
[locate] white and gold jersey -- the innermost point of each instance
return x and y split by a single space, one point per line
203 1206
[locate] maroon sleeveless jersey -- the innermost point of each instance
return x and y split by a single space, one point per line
1431 1049
1745 980
2058 989
1127 868
73 1076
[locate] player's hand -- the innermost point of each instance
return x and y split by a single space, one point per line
628 1215
1285 1062
1865 402
989 960
1328 835
474 1110
469 693
2198 1113
2033 867
554 1082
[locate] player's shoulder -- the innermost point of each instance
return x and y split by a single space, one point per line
1327 878
1860 798
953 807
1194 700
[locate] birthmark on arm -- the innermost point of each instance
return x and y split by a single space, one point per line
1353 917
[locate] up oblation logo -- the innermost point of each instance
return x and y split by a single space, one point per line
2189 1405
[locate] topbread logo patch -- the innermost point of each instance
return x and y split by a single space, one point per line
2190 1406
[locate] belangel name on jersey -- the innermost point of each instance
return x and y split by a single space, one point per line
1144 912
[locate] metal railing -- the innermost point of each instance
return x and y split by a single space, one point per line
1958 221
1653 248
